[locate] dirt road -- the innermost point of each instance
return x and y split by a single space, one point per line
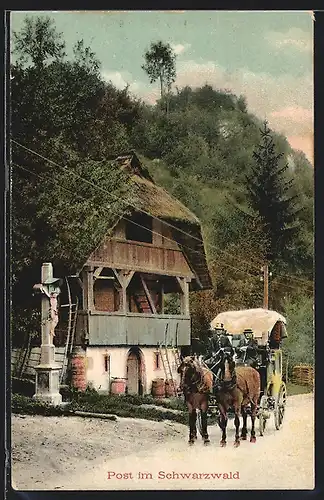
71 453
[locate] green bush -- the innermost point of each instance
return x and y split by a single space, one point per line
92 401
27 406
299 345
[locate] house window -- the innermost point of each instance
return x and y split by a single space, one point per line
106 362
156 361
139 228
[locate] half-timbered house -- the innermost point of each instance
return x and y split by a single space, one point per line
132 292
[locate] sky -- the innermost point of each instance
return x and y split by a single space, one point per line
266 56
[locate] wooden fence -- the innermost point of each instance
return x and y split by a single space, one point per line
23 361
303 375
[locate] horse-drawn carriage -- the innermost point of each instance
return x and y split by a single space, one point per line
269 330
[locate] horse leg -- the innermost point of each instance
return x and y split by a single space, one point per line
192 426
223 424
204 408
253 416
237 428
244 428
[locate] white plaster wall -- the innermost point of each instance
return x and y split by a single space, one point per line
96 374
99 378
152 372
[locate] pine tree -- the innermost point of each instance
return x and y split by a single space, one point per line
268 197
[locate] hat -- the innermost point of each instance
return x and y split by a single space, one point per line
219 326
51 281
247 330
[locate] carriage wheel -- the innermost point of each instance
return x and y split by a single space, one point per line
280 406
261 415
199 422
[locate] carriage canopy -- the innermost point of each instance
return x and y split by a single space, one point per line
263 322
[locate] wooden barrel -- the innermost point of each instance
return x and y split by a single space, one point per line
158 388
78 368
118 386
170 388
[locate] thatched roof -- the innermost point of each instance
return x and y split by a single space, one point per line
157 202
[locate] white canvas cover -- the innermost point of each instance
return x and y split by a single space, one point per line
260 320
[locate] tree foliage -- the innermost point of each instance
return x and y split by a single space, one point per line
299 346
38 43
202 152
160 65
268 196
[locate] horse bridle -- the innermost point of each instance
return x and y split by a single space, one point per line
184 372
227 385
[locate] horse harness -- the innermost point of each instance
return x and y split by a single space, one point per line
219 383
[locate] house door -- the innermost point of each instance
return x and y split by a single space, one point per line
134 385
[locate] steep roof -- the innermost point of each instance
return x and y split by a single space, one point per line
159 203
156 201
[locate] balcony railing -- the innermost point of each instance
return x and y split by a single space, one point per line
123 254
138 329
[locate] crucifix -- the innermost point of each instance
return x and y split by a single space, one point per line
47 372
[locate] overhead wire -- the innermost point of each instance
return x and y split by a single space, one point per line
154 217
130 220
126 218
130 204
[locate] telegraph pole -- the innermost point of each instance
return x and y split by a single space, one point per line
265 270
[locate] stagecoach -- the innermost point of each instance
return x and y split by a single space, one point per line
269 330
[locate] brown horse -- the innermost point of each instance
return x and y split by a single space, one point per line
236 388
196 385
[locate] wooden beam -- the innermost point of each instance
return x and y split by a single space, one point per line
162 298
124 277
127 277
87 279
90 290
97 272
184 285
119 278
138 269
148 295
186 298
181 283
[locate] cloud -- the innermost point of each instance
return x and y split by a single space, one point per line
304 143
295 114
179 48
121 80
115 77
294 37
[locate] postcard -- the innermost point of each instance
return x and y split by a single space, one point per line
161 176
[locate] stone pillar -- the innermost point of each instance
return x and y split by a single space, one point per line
47 372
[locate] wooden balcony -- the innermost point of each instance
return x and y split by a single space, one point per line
106 328
145 257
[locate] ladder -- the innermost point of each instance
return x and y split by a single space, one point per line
164 353
73 314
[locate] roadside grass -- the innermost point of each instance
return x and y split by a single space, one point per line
91 401
294 389
119 405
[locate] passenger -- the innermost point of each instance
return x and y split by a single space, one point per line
218 340
247 349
